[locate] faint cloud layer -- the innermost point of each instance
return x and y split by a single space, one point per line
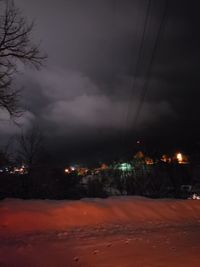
73 100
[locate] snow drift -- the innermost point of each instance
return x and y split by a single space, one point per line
28 215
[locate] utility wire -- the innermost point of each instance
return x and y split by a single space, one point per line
136 72
149 71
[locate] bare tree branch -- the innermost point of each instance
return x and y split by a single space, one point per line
15 46
30 144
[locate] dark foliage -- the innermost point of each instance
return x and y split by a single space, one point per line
158 181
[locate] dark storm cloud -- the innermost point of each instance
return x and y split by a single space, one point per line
72 101
84 92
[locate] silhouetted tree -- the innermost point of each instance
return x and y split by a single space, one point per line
30 146
6 156
15 46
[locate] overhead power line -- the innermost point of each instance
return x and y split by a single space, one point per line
149 70
136 72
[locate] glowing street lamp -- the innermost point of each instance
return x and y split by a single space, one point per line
66 170
179 157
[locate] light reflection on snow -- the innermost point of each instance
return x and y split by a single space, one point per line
196 197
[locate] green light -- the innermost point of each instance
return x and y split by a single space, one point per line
125 167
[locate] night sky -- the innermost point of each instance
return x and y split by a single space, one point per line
84 101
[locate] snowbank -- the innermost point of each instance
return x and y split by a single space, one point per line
39 215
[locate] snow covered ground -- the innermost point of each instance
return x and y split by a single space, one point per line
118 232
